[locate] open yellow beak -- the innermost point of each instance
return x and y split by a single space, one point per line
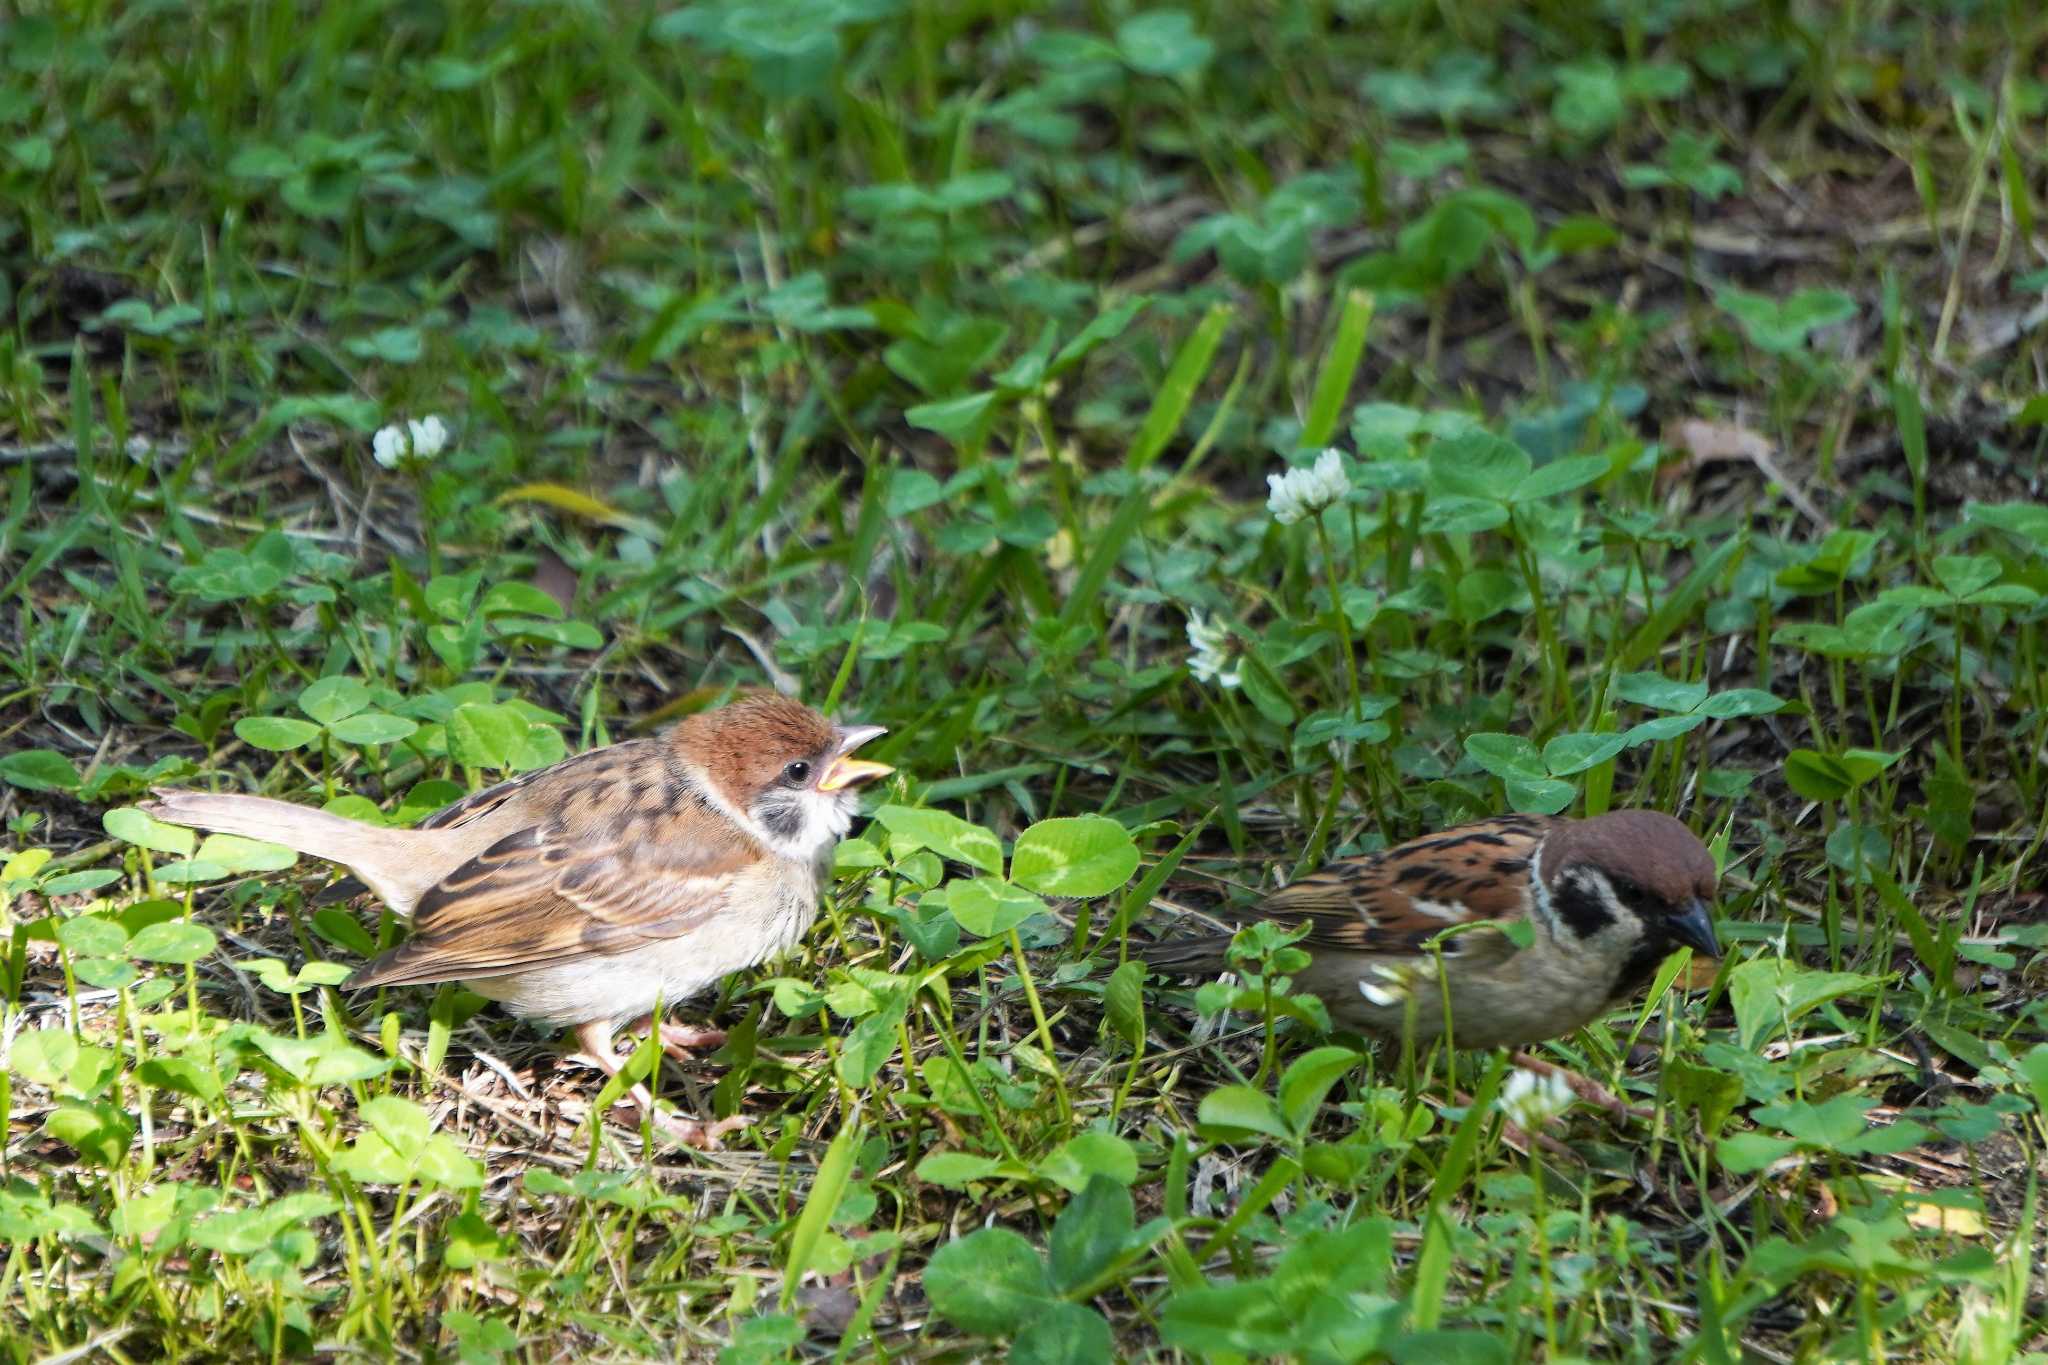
848 771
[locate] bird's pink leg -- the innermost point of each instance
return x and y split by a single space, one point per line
595 1038
679 1040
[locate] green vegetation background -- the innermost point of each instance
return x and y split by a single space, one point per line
1685 363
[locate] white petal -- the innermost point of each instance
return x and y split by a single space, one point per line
388 446
1331 481
428 437
1284 502
1205 638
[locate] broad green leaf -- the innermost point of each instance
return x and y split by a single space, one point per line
190 872
329 699
1079 856
92 936
943 833
1662 693
987 906
40 770
372 727
1234 1110
1063 1334
1590 98
76 883
485 735
450 596
100 1130
23 866
43 1056
1448 514
867 1047
1740 701
990 1282
1658 728
2034 1066
1744 1153
956 1169
1768 993
1088 1156
1307 1081
1265 693
1123 1002
1858 849
1709 1091
278 734
1961 575
1561 476
2027 521
1782 326
1090 1233
237 854
323 1059
1163 42
1818 776
1506 756
1541 796
1478 465
953 418
174 941
1568 754
520 599
185 1075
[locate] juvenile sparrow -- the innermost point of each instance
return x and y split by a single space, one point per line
1607 899
584 893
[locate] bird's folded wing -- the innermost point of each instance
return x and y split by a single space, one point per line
1398 900
538 897
584 774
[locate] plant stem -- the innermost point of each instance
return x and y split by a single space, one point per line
1339 622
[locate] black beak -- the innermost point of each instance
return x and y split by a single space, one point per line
1694 927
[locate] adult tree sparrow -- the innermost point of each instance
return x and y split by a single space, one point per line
585 893
1607 898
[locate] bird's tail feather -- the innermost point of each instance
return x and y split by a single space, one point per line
386 859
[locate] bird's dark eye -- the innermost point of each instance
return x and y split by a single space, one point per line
797 773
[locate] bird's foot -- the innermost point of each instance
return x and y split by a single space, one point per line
702 1134
684 1043
680 1041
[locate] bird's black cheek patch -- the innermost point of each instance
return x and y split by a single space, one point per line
1578 905
783 819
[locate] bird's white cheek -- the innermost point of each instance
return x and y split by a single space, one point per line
804 826
831 816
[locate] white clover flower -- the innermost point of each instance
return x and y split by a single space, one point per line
1299 493
429 437
389 446
1205 638
1210 661
394 445
1530 1100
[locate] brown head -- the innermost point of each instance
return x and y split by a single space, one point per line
1631 875
783 765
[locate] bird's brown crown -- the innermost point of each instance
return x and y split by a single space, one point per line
745 746
1649 848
